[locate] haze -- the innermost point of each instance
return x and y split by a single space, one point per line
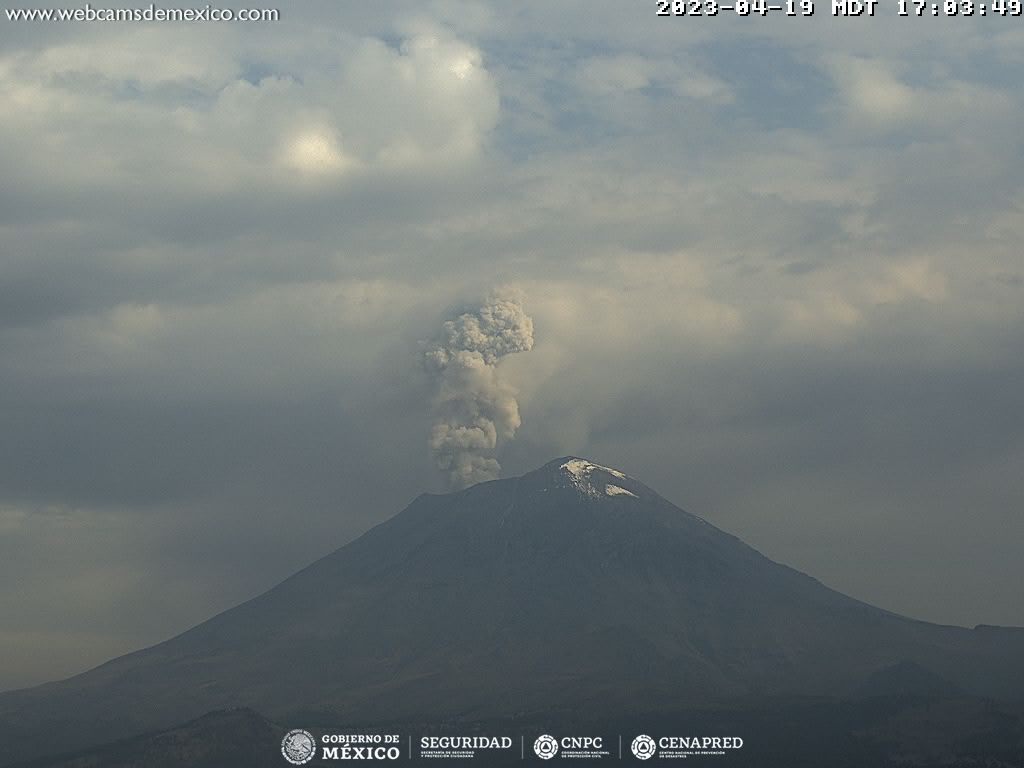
773 265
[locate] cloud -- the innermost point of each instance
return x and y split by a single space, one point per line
609 75
878 94
916 279
108 116
315 152
818 317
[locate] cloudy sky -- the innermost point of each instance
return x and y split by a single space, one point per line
773 264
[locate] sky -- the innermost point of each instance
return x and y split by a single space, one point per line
773 267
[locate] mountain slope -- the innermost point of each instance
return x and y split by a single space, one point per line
572 587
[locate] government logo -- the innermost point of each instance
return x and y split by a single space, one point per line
546 747
298 746
644 747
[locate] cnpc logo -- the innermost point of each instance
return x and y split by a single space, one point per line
547 746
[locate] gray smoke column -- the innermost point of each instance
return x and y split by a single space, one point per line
474 409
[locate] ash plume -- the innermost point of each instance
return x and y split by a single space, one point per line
474 409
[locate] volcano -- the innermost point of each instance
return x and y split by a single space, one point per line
572 588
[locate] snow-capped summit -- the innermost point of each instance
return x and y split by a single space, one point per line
590 479
586 478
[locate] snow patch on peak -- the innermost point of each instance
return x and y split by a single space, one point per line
579 468
579 472
615 490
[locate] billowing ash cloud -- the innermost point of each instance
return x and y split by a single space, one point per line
474 408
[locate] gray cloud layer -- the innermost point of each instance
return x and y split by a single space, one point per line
791 302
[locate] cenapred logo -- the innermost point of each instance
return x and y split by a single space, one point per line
546 747
298 746
643 747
